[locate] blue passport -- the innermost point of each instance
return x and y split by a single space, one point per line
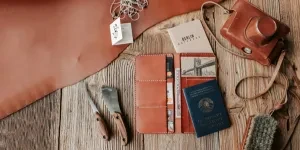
207 108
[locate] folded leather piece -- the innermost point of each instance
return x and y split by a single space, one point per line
50 44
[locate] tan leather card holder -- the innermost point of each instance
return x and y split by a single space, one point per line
151 106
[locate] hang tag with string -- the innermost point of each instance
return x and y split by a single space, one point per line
120 33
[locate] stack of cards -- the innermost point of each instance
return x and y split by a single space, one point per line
170 94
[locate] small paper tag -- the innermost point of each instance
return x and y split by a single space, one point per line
190 38
121 33
116 31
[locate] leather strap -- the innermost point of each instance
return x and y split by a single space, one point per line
246 133
272 78
292 127
283 99
290 133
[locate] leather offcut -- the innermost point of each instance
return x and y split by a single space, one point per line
50 44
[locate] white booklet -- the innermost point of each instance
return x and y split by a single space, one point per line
190 38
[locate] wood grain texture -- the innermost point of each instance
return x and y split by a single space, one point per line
289 13
64 120
231 70
79 130
34 128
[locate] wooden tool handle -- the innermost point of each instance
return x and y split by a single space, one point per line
103 127
121 127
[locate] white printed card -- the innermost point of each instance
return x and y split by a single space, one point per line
190 38
120 33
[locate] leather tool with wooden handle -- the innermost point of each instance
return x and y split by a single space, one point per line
103 127
110 96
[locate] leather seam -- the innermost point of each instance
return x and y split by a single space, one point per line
151 55
150 80
151 107
135 95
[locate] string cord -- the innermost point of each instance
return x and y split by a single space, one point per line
131 8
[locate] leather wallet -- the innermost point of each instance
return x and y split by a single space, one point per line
50 44
151 102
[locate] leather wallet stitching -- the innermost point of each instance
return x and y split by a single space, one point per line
150 55
135 94
151 80
151 106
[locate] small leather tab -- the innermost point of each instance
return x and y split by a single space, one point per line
121 127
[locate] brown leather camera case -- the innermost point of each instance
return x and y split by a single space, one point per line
254 32
151 94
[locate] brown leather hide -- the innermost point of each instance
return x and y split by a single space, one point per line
49 44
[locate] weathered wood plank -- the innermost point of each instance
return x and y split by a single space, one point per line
289 13
159 41
81 123
231 70
37 126
79 129
34 128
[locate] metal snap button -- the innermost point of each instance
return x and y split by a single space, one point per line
247 50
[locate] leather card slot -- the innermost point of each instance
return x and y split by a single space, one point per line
151 94
151 67
151 120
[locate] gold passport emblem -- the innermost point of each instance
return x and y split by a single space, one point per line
206 105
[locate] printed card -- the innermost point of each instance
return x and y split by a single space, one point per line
190 38
198 66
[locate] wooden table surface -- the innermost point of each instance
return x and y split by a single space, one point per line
64 120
